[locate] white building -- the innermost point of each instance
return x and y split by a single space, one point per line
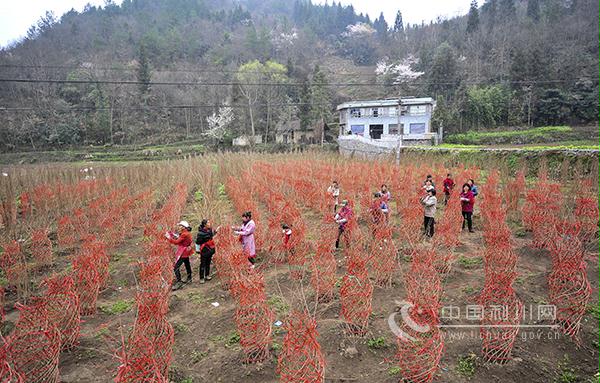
406 120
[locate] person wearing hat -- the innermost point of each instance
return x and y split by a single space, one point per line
183 240
246 233
342 219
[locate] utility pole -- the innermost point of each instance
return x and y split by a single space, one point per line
400 130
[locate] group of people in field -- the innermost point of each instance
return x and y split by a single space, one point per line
429 201
204 244
380 208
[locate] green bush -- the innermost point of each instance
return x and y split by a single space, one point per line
534 135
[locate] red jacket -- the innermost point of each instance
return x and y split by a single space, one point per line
467 206
448 185
183 243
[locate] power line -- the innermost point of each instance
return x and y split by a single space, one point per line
203 70
283 84
151 107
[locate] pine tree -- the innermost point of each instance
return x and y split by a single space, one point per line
319 97
533 10
473 18
443 70
490 9
398 24
507 10
381 27
143 71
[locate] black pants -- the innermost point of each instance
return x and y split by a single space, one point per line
428 226
468 218
340 233
205 260
188 268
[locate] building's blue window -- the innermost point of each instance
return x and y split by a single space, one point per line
355 112
358 129
418 128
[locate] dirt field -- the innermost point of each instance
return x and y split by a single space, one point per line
207 347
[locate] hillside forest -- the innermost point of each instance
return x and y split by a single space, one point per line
146 71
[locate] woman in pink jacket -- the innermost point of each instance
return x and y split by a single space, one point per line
467 200
246 233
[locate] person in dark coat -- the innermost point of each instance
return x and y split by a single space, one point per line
205 246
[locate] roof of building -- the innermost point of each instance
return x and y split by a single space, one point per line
288 126
386 102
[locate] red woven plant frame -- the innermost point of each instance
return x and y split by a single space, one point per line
383 258
41 247
8 374
356 293
253 317
568 283
419 352
138 357
66 233
423 283
301 359
62 304
34 345
502 312
323 269
87 283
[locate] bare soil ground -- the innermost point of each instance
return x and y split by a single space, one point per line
207 350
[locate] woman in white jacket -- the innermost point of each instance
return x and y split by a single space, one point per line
429 203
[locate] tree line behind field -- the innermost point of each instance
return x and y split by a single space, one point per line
160 71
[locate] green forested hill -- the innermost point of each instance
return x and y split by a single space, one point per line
160 71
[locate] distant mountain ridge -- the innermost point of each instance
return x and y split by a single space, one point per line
508 62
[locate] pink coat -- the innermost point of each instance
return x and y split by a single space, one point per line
247 234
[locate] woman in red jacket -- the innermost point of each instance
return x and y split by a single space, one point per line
183 240
467 200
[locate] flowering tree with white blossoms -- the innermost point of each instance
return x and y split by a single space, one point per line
218 123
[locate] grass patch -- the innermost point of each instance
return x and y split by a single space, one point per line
466 365
180 328
594 310
566 373
217 338
197 298
393 371
232 338
376 343
276 347
469 290
221 190
459 146
469 262
118 307
100 334
533 135
197 356
279 305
